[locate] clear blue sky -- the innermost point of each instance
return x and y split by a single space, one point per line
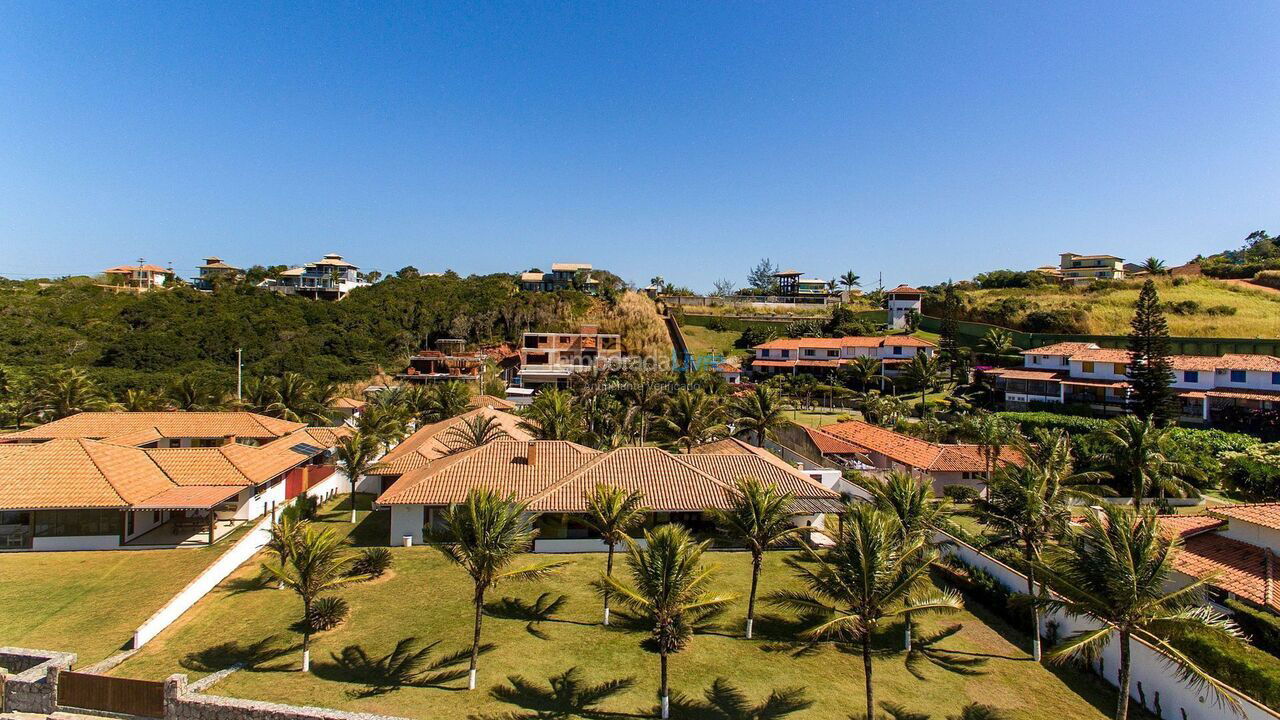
924 140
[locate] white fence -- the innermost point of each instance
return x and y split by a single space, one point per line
1153 684
244 549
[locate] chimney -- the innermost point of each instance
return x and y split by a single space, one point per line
531 458
228 439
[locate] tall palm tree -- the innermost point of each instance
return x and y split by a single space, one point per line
294 399
139 400
286 531
1114 572
484 534
187 393
911 501
873 573
922 372
474 432
992 434
759 412
997 342
384 423
356 453
258 393
1136 453
864 370
668 586
1029 506
67 391
644 389
759 518
850 280
553 415
692 417
614 513
317 563
1153 266
446 400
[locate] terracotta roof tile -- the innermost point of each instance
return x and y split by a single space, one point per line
829 444
1026 374
1244 394
1264 514
1186 525
1237 567
73 473
914 452
500 466
431 442
176 424
1062 348
667 483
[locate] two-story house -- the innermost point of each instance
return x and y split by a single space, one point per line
793 282
1084 269
330 278
140 277
213 269
552 358
824 355
1084 373
561 277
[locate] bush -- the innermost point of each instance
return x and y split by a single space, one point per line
1221 310
983 587
307 507
327 613
1270 278
960 493
374 562
1254 472
1234 662
1262 627
1181 307
1029 421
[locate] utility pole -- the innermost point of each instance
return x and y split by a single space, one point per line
239 374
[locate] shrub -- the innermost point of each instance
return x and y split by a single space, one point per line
1262 627
1029 421
960 493
1270 278
1234 662
374 562
1181 307
983 587
307 507
1254 472
327 613
1221 310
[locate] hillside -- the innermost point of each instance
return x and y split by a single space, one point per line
1195 307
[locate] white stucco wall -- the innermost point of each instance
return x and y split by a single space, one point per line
1253 534
144 521
407 520
81 542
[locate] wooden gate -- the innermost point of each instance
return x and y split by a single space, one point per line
143 698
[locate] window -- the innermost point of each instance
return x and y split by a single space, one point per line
1086 366
1035 359
897 349
808 352
833 353
1238 376
1275 378
1190 376
75 523
1119 368
764 353
786 353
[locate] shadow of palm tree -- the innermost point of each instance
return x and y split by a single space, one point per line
253 656
534 613
254 583
564 696
723 701
373 528
405 665
697 623
925 649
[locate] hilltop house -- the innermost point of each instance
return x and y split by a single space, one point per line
862 446
452 361
563 276
825 355
212 269
792 283
1086 374
901 302
555 477
1084 269
330 278
139 277
97 481
552 358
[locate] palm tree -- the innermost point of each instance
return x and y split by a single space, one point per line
1029 506
873 573
285 533
997 343
356 453
259 393
850 280
614 513
911 501
864 370
760 412
668 586
760 518
1153 266
484 534
474 432
692 417
446 400
385 424
186 393
67 391
922 372
992 434
317 563
138 400
294 400
1136 452
643 388
553 415
1114 572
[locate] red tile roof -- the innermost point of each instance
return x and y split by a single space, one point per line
1062 348
1244 394
1024 374
905 290
173 424
1238 567
431 442
1264 514
829 444
1186 525
914 452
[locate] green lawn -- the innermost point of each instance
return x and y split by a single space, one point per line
703 340
90 603
428 599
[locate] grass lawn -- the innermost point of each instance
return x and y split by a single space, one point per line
427 598
90 603
703 340
819 416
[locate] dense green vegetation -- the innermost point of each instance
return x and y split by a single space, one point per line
1259 253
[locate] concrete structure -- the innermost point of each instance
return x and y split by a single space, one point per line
329 278
826 355
793 282
1086 374
552 358
901 302
563 276
1084 269
214 269
140 277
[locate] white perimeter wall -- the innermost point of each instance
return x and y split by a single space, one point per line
1148 665
78 542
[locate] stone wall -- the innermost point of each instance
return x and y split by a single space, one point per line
31 681
182 704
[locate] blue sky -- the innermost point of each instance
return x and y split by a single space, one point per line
923 140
